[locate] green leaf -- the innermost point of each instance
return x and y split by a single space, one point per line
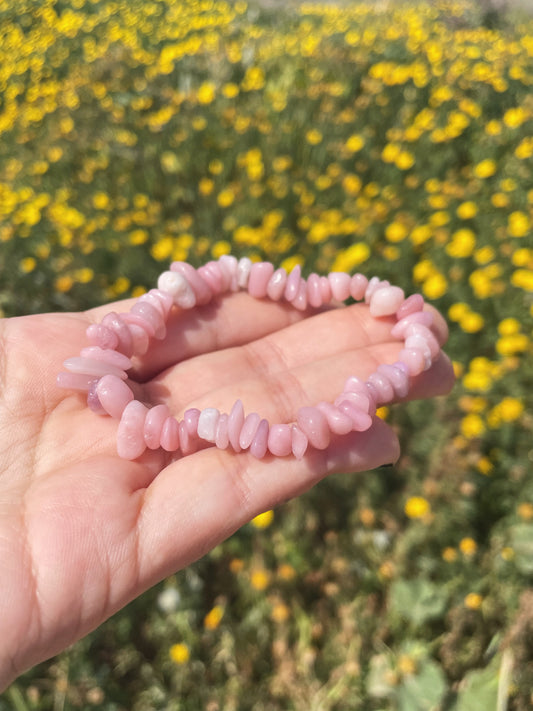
417 600
479 690
422 691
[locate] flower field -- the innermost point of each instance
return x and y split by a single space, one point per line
393 139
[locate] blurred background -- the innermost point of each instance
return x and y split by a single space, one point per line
384 137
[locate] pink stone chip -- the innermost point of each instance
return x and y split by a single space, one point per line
374 284
276 284
201 289
221 437
293 283
207 424
259 446
418 329
130 438
229 264
398 378
151 316
102 336
114 395
107 355
358 286
74 381
314 292
325 290
383 385
340 285
214 276
362 400
414 359
249 428
170 435
114 322
300 300
96 368
386 300
260 275
425 318
139 336
338 422
314 425
153 425
280 440
191 417
188 441
361 421
299 442
413 303
235 423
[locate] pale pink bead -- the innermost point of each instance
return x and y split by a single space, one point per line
115 323
244 267
280 440
96 368
207 424
358 286
107 355
260 274
361 421
383 386
314 425
300 300
93 401
201 290
178 288
314 293
414 359
152 316
276 284
139 322
338 422
130 438
398 378
114 395
170 435
188 442
386 300
293 283
419 342
325 290
102 336
259 445
249 428
413 303
229 264
221 437
160 300
153 425
373 394
235 423
139 336
374 284
340 285
354 384
299 442
74 381
213 275
418 329
423 317
362 399
191 417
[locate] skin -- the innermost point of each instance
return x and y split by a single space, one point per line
83 532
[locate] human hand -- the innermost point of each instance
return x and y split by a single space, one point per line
83 532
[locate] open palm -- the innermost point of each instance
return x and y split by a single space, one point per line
83 532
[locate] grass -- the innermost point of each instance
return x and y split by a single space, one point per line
393 141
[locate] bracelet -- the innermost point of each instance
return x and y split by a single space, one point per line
101 368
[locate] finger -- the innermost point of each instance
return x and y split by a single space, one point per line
199 501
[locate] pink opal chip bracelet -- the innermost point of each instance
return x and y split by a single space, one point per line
101 368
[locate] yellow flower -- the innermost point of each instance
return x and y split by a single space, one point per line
509 326
485 169
396 232
500 200
473 601
417 507
206 93
346 260
518 224
420 234
404 160
206 186
64 283
510 409
523 278
515 117
216 166
260 579
263 520
226 197
101 201
449 554
477 381
472 426
352 184
435 286
280 612
214 617
179 653
468 546
313 136
27 264
467 210
512 344
472 322
458 310
354 143
484 466
462 244
138 237
525 511
230 90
